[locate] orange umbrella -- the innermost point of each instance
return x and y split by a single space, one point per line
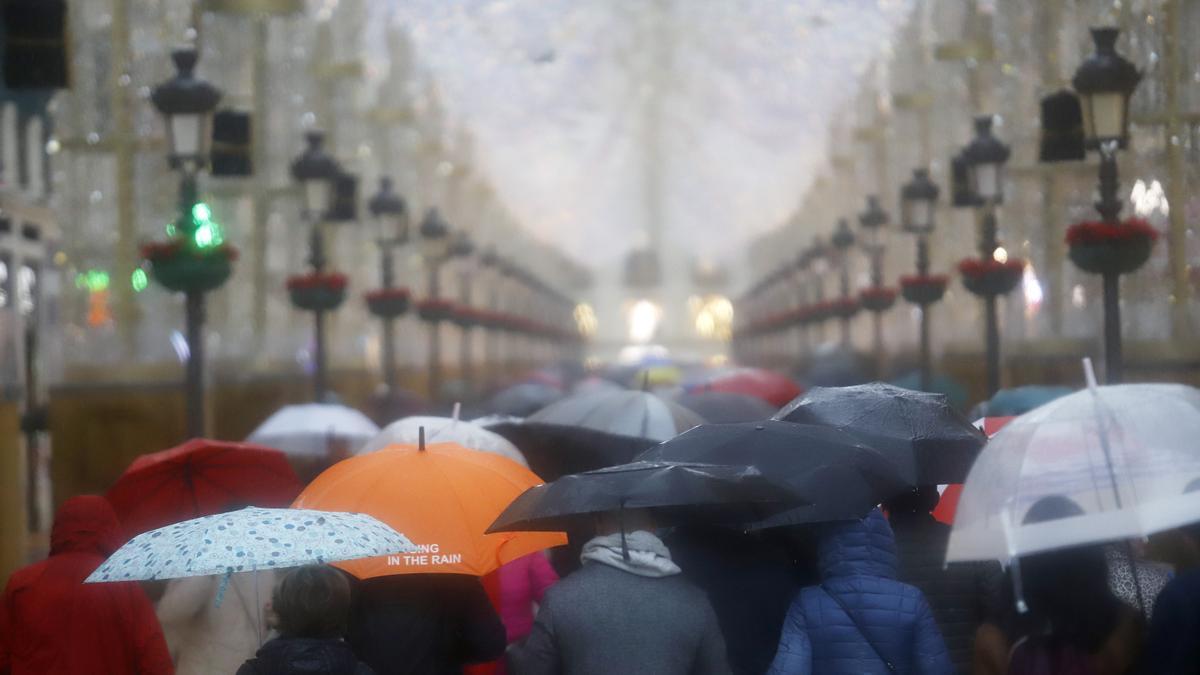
442 496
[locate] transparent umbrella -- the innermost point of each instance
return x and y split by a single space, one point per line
1124 456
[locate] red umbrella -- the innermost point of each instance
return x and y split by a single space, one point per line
948 504
768 385
200 478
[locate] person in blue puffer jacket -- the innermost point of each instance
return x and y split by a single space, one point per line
860 619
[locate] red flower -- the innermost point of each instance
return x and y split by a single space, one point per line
976 268
334 281
1095 232
928 280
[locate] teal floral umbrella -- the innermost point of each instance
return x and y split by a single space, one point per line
248 540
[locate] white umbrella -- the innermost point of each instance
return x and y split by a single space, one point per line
248 540
309 430
444 430
1126 457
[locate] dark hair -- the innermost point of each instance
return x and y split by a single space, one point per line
312 602
1067 590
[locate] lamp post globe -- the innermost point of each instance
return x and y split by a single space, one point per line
390 213
186 103
917 199
985 157
315 171
1105 82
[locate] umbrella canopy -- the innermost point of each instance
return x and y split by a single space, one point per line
443 496
524 399
624 413
443 430
842 478
200 478
250 539
767 385
1123 458
677 491
593 384
929 441
1020 400
555 450
718 407
314 429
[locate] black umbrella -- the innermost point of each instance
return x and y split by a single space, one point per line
524 399
720 407
676 491
928 440
554 450
638 414
841 477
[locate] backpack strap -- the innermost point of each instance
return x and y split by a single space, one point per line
891 668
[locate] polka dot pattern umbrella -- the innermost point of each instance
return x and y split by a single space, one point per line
250 539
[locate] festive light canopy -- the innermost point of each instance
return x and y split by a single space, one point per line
606 125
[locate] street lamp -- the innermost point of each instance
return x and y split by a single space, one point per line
843 241
876 298
390 214
461 248
1105 82
315 172
990 276
918 199
195 261
435 248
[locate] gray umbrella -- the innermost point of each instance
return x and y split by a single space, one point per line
721 407
625 413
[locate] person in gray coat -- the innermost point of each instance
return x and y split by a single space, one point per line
627 610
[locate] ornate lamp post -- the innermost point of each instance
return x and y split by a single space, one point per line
435 247
194 260
847 304
876 298
918 198
388 302
1105 83
317 292
994 273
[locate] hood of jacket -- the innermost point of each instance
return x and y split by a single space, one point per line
858 548
86 524
305 655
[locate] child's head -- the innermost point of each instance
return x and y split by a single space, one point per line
311 602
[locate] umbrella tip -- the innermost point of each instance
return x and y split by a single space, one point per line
457 410
421 438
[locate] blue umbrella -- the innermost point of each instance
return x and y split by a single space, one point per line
953 391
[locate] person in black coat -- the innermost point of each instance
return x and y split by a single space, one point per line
1174 639
963 595
309 608
424 624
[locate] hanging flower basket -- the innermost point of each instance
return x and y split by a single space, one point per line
1102 248
183 268
843 308
388 303
317 292
989 278
463 316
923 290
434 310
877 298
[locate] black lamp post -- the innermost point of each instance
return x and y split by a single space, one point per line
391 219
315 172
984 158
435 245
843 241
461 247
918 198
194 262
876 298
1105 82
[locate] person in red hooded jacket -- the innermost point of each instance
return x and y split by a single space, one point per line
52 623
